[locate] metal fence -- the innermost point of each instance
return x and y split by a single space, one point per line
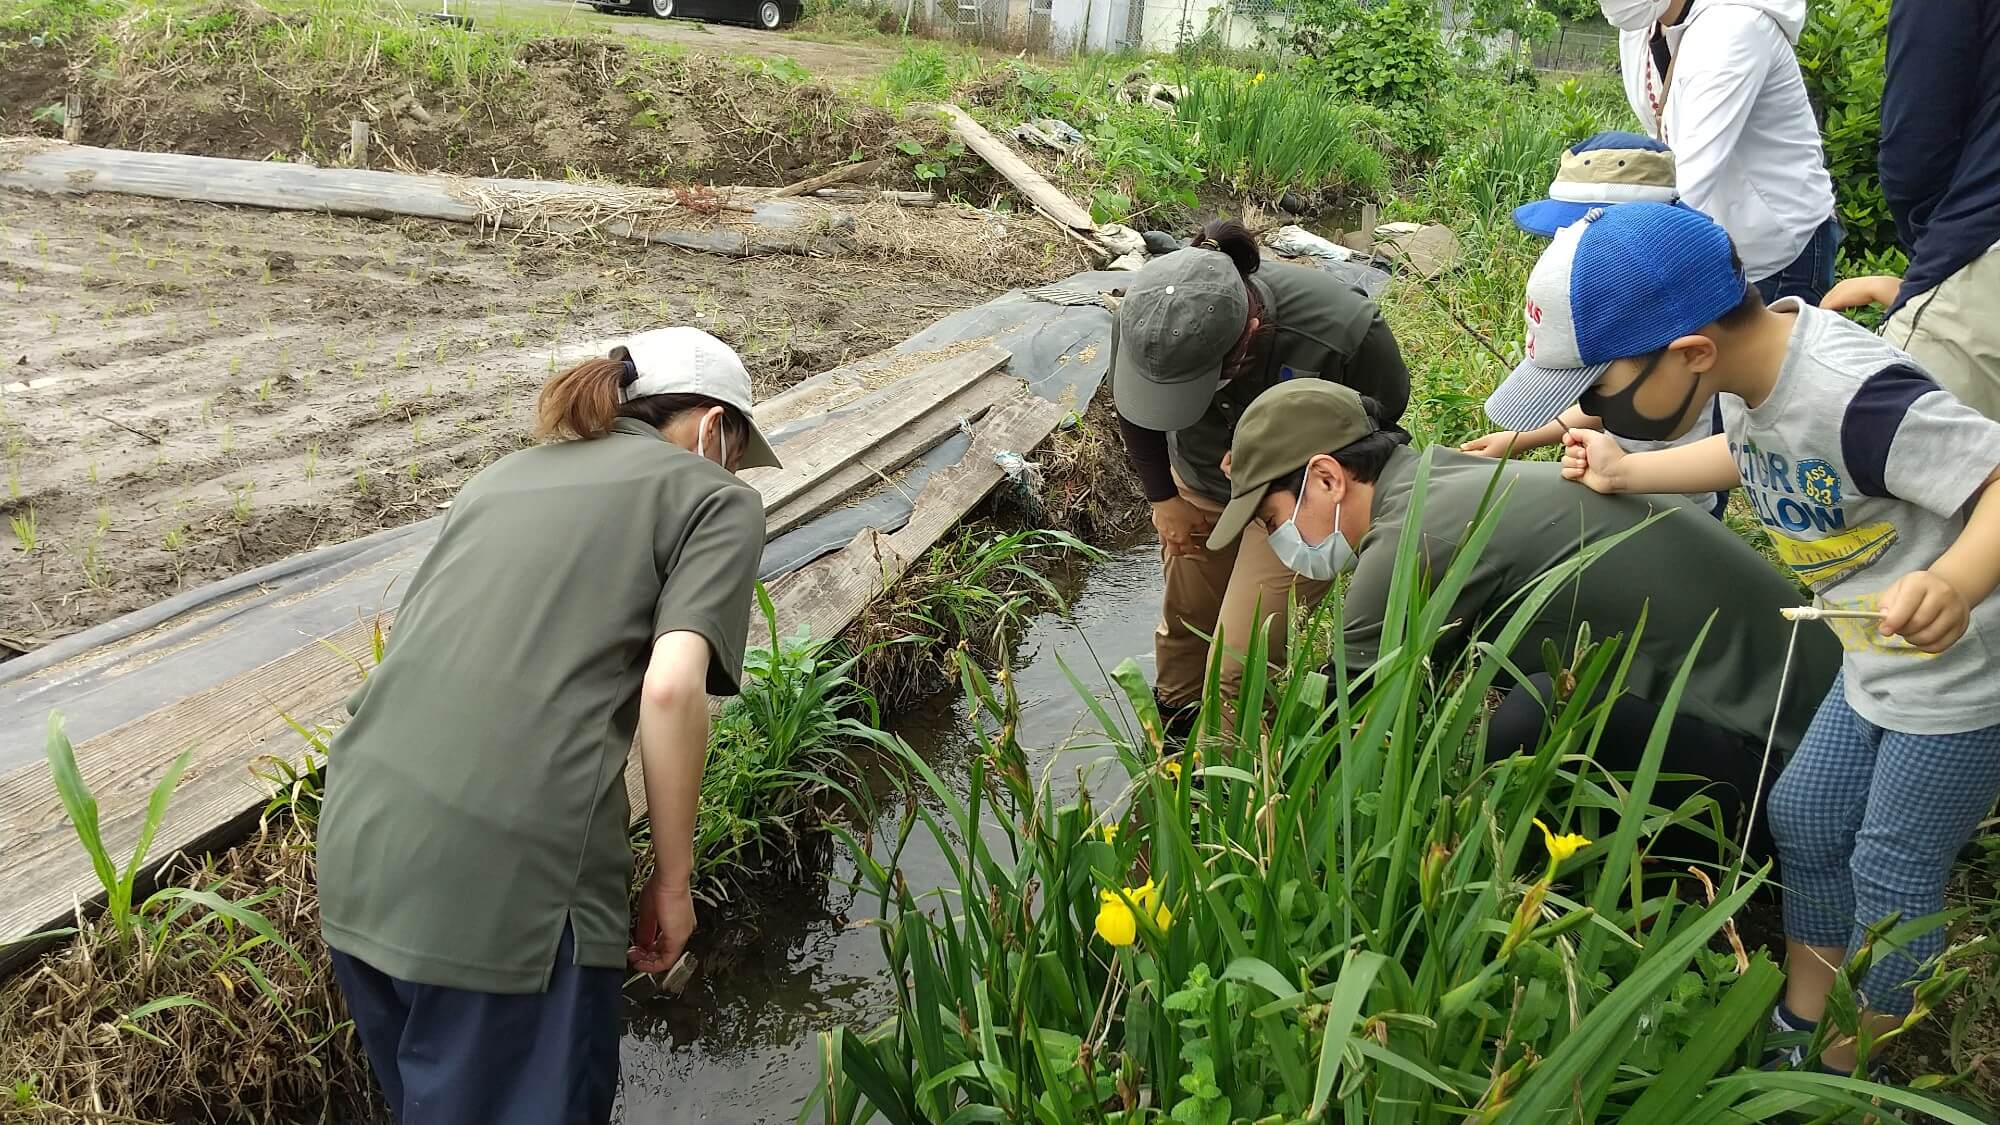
1577 48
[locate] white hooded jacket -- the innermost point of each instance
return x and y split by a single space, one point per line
1746 146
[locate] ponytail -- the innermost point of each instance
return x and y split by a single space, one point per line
583 402
1234 239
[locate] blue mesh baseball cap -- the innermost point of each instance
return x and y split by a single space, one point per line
1611 167
1624 281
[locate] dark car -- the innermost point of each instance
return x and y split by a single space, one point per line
767 14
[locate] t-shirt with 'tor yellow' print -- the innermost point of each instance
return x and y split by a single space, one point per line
1862 469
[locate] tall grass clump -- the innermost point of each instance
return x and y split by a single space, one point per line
971 594
1337 911
1281 131
775 750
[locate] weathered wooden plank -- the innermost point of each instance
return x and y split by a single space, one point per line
1047 198
649 215
815 454
899 449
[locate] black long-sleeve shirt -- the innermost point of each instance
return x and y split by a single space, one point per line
1940 153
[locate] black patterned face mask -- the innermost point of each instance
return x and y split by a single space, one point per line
1621 416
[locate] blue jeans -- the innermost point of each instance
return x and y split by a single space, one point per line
446 1056
1811 273
1867 823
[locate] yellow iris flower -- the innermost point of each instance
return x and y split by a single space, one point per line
1561 847
1117 924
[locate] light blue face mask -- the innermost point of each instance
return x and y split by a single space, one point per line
1317 561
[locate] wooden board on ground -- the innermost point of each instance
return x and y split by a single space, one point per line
705 221
240 721
1036 188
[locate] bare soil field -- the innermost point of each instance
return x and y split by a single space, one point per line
190 391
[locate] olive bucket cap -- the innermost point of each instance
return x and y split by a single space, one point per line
1180 318
1286 427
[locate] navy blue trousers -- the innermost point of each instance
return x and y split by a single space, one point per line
447 1056
1811 274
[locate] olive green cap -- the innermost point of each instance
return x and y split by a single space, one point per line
1286 427
1178 321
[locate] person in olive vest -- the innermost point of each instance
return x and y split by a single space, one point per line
1315 470
473 860
1199 335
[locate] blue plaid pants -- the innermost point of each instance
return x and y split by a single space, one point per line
1867 823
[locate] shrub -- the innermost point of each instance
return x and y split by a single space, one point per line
1841 53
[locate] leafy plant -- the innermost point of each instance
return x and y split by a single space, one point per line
1841 53
1275 132
81 806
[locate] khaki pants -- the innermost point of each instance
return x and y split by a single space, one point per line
1221 593
1954 331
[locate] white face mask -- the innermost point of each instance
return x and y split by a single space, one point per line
1634 15
721 436
1317 561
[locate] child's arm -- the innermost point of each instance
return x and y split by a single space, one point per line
1930 608
1593 457
1855 292
1513 443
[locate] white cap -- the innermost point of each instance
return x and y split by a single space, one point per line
688 361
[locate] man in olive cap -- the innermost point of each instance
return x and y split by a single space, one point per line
1310 465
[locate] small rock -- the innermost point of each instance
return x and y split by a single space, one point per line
1160 242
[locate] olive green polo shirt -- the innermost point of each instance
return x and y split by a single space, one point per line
1326 329
1678 571
476 801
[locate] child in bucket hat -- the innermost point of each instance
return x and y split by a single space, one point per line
1877 489
1601 170
1604 170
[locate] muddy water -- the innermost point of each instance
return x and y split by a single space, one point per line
741 1045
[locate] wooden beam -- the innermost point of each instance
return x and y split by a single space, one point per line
1047 198
839 175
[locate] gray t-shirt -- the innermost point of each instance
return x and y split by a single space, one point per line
1862 469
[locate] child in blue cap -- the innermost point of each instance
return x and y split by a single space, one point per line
1876 487
1609 168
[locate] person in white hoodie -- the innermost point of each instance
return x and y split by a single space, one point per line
1718 80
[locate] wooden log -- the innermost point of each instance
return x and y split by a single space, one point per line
839 175
1047 198
357 143
770 226
73 117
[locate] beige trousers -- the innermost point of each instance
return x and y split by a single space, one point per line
1954 331
1220 593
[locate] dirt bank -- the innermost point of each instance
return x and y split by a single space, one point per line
187 392
235 79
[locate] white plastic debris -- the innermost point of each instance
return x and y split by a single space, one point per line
1302 243
1021 472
